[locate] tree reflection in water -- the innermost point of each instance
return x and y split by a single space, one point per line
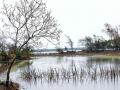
72 75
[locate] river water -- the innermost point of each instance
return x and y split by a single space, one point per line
93 73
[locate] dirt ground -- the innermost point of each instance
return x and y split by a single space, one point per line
12 86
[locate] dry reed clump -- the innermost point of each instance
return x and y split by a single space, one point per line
53 75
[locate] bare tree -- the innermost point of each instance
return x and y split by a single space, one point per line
28 21
70 42
87 42
114 34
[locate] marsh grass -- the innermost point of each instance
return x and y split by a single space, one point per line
73 74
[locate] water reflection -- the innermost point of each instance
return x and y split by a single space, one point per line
102 62
73 74
71 71
59 59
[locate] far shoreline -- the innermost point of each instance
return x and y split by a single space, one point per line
83 53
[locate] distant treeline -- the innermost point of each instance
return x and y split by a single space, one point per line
98 43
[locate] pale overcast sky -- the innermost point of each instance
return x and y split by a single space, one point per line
80 18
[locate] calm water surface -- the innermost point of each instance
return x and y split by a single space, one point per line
43 64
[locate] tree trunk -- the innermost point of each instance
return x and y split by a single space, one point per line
8 71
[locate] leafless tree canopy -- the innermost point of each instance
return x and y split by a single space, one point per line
70 42
29 20
112 32
26 21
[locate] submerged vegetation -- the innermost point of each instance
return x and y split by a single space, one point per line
74 74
